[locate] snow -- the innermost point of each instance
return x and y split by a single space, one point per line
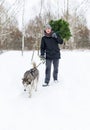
61 106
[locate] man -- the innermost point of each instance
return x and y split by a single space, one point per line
51 51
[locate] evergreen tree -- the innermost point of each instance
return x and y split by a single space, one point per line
61 27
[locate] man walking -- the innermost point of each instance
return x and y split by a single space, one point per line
51 52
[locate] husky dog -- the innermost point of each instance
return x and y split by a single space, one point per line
30 79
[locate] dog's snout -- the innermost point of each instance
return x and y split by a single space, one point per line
29 82
24 89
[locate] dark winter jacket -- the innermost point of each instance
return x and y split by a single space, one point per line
49 47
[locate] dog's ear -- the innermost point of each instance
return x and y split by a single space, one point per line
23 79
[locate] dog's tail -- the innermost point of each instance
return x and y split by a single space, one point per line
34 65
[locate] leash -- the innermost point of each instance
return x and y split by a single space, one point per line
40 63
33 57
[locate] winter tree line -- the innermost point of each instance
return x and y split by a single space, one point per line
11 36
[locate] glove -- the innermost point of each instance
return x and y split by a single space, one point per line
54 35
42 58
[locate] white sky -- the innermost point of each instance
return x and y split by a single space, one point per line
32 7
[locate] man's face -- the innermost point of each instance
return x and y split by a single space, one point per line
48 30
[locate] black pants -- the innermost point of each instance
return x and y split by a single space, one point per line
48 69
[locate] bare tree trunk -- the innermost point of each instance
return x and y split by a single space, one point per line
23 28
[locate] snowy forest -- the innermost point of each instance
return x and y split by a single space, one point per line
64 105
28 35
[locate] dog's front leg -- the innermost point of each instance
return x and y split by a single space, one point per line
30 91
36 84
35 87
25 87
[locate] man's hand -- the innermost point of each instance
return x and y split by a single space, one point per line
54 35
42 58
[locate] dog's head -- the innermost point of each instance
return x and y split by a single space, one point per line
26 82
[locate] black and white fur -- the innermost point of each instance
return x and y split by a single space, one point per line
30 79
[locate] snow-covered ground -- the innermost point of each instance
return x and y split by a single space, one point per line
62 106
